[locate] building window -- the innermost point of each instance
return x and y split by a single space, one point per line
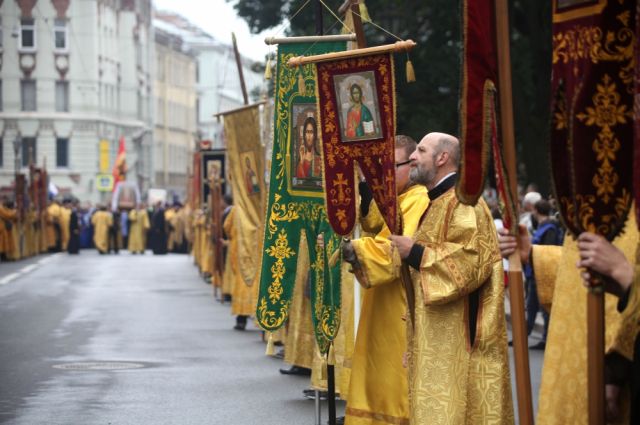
28 150
60 34
62 96
27 34
28 95
62 152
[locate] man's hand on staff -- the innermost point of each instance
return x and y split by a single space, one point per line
601 256
403 244
508 243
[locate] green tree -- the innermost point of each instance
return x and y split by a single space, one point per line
431 103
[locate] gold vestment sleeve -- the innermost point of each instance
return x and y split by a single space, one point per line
545 268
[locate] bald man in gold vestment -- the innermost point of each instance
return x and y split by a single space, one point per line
458 363
378 391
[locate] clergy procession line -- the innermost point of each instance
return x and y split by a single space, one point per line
381 265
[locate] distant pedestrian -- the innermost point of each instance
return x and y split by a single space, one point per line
158 231
73 247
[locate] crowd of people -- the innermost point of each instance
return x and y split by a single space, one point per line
69 226
431 343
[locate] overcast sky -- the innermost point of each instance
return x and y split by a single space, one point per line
218 18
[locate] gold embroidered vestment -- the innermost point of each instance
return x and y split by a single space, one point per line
450 380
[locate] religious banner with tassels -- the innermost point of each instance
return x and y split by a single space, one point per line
479 141
246 176
485 95
593 87
636 141
356 105
296 201
592 114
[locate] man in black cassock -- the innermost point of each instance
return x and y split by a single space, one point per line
158 231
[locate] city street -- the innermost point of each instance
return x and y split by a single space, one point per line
123 339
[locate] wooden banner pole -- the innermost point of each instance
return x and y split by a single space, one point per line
595 356
516 287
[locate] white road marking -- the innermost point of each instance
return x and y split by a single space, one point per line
9 278
28 268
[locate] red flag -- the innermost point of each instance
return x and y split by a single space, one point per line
479 136
120 166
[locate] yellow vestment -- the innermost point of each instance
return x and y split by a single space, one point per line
300 342
170 216
138 228
65 220
8 219
378 392
563 390
243 274
102 221
452 379
53 219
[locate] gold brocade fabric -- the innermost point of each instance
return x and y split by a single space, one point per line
243 294
301 341
8 219
450 380
545 263
343 342
563 391
139 220
53 216
101 221
378 392
373 222
170 219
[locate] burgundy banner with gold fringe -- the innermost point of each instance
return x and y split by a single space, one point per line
592 113
478 118
636 111
356 102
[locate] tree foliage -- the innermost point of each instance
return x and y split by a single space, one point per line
431 103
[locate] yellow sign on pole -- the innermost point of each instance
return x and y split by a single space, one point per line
105 147
104 182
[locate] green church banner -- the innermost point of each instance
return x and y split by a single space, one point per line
296 203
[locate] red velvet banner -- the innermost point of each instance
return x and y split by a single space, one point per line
592 113
356 102
478 117
636 147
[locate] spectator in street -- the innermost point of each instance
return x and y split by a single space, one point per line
548 232
73 247
158 230
527 218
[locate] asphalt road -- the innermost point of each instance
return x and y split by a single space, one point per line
125 339
152 311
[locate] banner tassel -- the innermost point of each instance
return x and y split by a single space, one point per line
301 84
270 346
267 70
364 13
411 74
331 358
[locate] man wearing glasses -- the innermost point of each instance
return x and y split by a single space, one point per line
378 391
